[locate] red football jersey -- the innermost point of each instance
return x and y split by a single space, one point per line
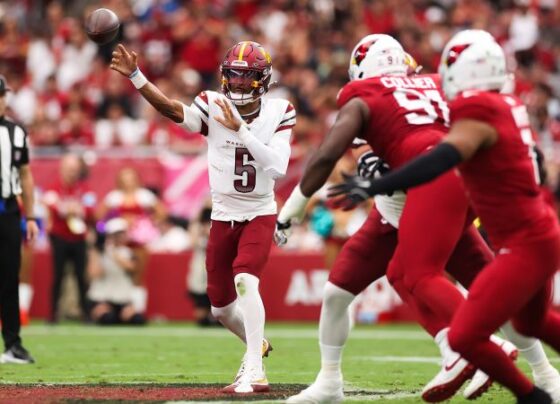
503 180
407 114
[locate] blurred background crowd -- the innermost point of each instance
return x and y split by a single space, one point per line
70 102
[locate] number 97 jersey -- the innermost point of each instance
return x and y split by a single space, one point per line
407 114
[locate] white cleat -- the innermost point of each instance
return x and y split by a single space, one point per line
549 381
253 380
322 391
481 382
266 349
454 372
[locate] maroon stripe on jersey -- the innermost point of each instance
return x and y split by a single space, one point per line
203 97
201 108
284 127
204 129
290 108
287 119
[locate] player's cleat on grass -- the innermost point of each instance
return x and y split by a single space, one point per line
481 382
16 354
253 380
322 391
549 381
537 396
266 349
454 372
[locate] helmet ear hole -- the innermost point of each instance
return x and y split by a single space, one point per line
361 75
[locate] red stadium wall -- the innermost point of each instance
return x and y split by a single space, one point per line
291 286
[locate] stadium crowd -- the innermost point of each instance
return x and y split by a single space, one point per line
63 91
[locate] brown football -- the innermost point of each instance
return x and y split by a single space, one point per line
102 26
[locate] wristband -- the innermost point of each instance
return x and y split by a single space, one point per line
138 79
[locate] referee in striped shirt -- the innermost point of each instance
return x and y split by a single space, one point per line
15 180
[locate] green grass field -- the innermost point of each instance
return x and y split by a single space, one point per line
383 363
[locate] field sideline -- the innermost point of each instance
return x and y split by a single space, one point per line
381 363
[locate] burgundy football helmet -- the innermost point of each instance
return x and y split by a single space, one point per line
246 72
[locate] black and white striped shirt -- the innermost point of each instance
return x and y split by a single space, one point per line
14 153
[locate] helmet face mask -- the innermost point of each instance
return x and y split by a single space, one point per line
246 72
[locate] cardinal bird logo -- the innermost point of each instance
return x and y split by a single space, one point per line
454 53
361 52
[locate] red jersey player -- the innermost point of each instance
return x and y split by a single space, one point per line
492 144
364 259
248 149
400 117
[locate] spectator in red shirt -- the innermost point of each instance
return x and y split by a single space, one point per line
70 203
75 128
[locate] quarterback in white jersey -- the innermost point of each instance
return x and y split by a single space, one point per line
248 149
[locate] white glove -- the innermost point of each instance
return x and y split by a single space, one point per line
292 211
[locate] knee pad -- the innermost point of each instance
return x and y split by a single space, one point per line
246 284
108 318
335 295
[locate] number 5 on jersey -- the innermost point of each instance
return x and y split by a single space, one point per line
247 171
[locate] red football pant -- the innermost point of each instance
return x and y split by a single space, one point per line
432 223
516 285
234 248
365 256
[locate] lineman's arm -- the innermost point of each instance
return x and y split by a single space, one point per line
126 63
348 125
465 138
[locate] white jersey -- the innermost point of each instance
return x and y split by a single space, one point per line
390 207
243 166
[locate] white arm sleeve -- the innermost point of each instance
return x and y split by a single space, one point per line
272 157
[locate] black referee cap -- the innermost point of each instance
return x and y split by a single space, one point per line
3 85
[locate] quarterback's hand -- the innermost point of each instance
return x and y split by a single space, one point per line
123 61
229 120
353 191
281 233
370 165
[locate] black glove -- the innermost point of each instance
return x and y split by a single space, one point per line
354 190
369 165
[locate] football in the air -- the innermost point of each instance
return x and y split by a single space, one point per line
102 26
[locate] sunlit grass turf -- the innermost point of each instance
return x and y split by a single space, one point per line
395 359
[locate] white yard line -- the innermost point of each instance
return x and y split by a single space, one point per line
179 332
406 359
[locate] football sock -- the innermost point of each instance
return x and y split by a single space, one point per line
25 296
334 327
531 349
441 341
252 309
230 316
